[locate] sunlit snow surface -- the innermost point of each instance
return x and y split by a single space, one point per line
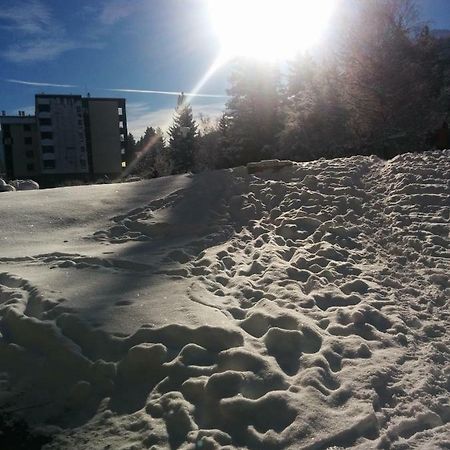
302 306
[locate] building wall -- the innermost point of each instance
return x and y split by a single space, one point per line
105 136
61 134
20 146
70 138
2 154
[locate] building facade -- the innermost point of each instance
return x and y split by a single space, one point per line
62 138
106 135
19 135
70 137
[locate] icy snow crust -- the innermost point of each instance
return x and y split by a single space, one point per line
301 306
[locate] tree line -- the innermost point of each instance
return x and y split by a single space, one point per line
380 85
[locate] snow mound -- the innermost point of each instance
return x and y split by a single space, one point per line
25 185
5 187
282 305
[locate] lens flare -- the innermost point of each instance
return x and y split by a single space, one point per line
269 29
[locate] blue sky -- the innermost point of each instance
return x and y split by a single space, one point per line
95 45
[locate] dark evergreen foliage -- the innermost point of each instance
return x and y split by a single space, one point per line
252 118
149 150
131 147
183 136
316 119
388 77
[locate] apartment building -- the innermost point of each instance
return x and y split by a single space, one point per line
62 138
19 142
106 134
70 137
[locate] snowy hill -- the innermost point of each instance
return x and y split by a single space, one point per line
304 306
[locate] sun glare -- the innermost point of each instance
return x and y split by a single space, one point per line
269 29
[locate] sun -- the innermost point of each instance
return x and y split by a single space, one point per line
269 29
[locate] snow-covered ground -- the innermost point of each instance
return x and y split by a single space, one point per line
304 306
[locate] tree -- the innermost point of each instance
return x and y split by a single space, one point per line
131 148
148 150
183 138
387 79
253 111
209 149
315 115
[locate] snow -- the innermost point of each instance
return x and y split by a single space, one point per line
283 305
5 187
19 185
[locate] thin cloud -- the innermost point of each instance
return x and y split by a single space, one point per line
114 11
43 49
140 116
32 17
38 35
36 83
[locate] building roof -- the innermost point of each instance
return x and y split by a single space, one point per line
57 95
17 119
79 96
115 99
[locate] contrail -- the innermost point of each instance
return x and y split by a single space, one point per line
137 91
188 94
35 83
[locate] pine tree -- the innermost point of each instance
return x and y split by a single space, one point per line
148 148
183 138
131 148
253 112
163 162
316 120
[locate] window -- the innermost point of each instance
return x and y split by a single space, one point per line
120 124
43 108
124 164
46 135
45 121
29 154
78 109
120 111
82 163
27 127
48 149
80 122
28 141
122 138
30 167
6 129
49 164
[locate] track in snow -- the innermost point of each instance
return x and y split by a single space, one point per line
330 283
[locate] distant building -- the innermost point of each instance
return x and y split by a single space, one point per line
70 137
106 133
62 137
19 137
